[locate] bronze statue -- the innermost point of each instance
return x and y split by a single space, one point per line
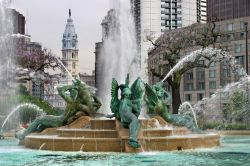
128 108
80 101
157 99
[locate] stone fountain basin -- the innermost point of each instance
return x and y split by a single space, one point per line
99 135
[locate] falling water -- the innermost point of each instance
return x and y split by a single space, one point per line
25 105
64 69
213 53
185 108
7 55
119 53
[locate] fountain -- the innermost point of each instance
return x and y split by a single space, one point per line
7 64
119 51
183 110
78 129
126 133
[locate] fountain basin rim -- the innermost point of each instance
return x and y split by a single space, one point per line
87 130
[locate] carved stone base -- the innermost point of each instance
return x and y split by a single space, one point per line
105 135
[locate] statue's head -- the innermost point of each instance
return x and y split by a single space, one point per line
158 88
125 91
77 82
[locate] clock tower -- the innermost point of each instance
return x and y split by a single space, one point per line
70 48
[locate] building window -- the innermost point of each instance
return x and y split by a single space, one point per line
201 86
188 97
242 25
212 64
73 56
242 35
226 73
230 27
212 84
212 73
189 87
239 60
200 75
200 96
230 36
201 62
189 76
237 48
74 65
64 55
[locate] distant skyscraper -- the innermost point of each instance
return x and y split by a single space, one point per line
227 9
202 11
70 48
107 24
155 16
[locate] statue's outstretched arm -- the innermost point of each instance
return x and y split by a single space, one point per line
62 92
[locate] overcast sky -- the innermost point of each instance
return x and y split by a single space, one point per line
46 20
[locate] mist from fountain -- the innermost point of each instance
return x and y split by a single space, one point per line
119 52
214 104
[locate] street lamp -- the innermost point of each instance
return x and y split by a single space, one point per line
246 24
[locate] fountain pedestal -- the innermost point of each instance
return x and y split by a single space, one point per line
105 135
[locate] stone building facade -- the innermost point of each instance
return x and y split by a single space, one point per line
89 79
227 9
202 82
156 16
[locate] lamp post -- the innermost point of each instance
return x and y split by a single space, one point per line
246 25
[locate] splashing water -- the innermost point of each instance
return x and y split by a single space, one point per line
212 53
185 108
8 43
119 53
63 68
25 105
212 107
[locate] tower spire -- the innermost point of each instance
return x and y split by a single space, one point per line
69 12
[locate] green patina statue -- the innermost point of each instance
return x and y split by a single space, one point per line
80 101
157 100
128 107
